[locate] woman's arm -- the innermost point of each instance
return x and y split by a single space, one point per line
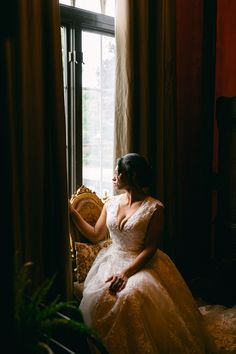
154 235
92 233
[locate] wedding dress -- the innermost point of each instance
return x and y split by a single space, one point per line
155 313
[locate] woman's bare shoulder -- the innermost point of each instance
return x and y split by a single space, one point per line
156 201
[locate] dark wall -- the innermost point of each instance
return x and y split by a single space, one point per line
205 70
226 48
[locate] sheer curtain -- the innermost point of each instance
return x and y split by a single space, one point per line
145 94
34 221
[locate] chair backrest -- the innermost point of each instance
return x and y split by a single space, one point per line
89 205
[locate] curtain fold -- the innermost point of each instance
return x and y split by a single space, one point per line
8 219
145 94
35 127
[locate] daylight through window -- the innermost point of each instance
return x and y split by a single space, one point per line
88 53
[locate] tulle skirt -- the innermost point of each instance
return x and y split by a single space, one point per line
155 313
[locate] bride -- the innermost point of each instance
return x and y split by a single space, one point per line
134 296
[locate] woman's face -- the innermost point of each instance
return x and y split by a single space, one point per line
119 180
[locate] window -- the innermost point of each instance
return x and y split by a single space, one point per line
106 7
88 52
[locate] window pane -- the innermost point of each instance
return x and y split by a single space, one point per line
90 5
110 8
91 49
105 7
98 111
66 2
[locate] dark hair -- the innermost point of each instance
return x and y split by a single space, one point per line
136 169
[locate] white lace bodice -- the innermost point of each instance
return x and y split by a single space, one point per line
132 236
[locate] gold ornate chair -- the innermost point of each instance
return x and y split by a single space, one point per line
83 252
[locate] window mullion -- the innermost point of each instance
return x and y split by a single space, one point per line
78 107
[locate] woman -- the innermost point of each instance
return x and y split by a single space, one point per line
134 296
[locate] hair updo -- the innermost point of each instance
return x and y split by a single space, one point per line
136 169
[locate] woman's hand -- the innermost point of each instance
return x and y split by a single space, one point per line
94 233
118 282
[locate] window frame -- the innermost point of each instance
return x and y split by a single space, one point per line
77 20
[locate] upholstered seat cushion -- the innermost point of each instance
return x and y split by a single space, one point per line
85 255
78 290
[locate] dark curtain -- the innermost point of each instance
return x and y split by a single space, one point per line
164 110
195 64
34 218
145 95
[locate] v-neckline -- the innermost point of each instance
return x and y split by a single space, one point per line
125 220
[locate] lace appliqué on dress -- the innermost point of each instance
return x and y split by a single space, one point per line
220 324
